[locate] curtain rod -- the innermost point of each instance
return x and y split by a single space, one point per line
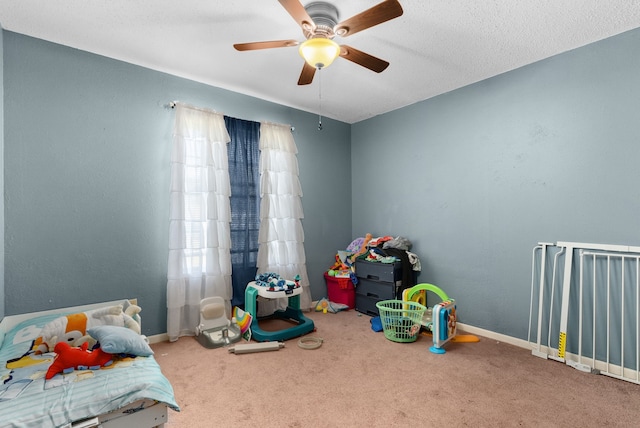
173 104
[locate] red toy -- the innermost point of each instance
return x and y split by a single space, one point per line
69 358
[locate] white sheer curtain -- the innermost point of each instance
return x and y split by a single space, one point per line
281 237
199 240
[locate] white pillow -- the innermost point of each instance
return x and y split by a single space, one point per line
120 340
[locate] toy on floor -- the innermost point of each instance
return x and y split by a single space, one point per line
324 305
458 338
271 286
215 329
441 319
243 319
419 296
310 342
376 324
401 319
444 325
249 348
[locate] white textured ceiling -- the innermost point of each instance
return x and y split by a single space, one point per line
434 47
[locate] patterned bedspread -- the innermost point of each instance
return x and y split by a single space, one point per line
27 400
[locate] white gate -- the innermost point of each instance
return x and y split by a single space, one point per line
589 319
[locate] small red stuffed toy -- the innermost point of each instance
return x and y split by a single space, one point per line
68 357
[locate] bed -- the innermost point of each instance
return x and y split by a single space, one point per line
130 392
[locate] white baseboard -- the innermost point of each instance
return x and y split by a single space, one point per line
164 337
493 335
157 338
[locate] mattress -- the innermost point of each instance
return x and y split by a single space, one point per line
27 400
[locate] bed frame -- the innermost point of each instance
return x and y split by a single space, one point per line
154 416
151 417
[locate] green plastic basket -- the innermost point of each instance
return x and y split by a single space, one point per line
401 320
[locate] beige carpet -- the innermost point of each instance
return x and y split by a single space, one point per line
358 378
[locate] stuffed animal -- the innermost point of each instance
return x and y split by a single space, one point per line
363 248
72 329
69 358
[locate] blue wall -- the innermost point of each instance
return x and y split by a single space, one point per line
478 176
475 177
87 146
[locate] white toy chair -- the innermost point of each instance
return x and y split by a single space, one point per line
215 329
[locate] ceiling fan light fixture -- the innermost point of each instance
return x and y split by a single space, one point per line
319 52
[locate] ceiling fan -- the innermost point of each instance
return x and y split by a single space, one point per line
319 23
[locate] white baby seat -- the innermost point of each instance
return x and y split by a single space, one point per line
215 329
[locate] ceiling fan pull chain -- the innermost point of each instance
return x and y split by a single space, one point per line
320 99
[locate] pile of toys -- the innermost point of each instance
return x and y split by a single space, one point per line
344 266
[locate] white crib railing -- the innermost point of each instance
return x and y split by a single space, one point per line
591 322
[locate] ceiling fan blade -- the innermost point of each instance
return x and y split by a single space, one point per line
364 59
306 77
378 14
299 13
252 46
